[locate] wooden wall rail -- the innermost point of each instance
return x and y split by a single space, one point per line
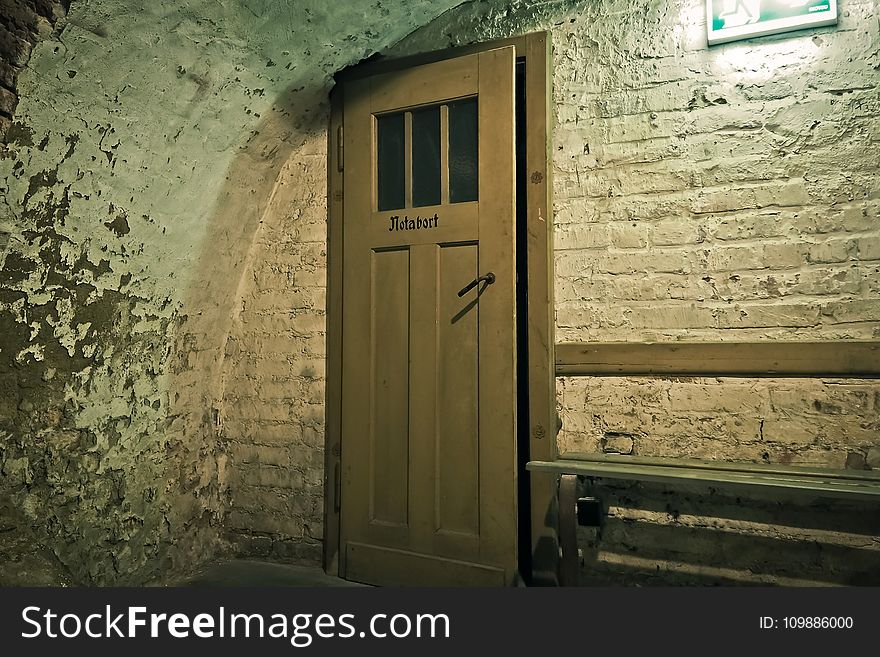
761 359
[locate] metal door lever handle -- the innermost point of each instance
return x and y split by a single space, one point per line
489 278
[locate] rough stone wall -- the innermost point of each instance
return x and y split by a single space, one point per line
712 194
22 24
137 188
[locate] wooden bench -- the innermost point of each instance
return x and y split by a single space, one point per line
861 485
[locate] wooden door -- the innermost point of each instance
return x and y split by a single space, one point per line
428 364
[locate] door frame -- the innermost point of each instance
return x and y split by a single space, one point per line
535 50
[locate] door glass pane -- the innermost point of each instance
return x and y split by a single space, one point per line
391 161
426 156
463 182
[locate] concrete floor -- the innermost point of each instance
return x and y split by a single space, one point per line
242 572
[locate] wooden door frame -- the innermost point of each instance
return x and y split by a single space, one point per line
535 50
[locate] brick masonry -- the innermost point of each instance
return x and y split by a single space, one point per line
275 372
818 422
723 194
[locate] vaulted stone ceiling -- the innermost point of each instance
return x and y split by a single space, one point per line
146 145
164 96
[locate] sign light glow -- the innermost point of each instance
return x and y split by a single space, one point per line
730 20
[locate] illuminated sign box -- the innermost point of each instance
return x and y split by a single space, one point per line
730 20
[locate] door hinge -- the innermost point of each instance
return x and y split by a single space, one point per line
339 149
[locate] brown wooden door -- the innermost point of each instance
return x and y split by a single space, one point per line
429 379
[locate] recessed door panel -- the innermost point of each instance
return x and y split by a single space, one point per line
389 353
458 413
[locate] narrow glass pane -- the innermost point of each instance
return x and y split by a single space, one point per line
463 181
426 156
391 161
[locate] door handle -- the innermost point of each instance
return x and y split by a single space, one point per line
488 278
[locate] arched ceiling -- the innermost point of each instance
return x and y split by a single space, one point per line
134 127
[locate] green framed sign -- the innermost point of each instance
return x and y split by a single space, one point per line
731 20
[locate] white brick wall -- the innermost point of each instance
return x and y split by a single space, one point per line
681 182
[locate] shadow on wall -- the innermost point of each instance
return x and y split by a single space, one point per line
210 302
656 536
257 207
23 560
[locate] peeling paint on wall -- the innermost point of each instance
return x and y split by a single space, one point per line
145 151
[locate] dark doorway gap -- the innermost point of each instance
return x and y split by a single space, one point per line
522 329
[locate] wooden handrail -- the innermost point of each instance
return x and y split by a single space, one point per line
849 359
